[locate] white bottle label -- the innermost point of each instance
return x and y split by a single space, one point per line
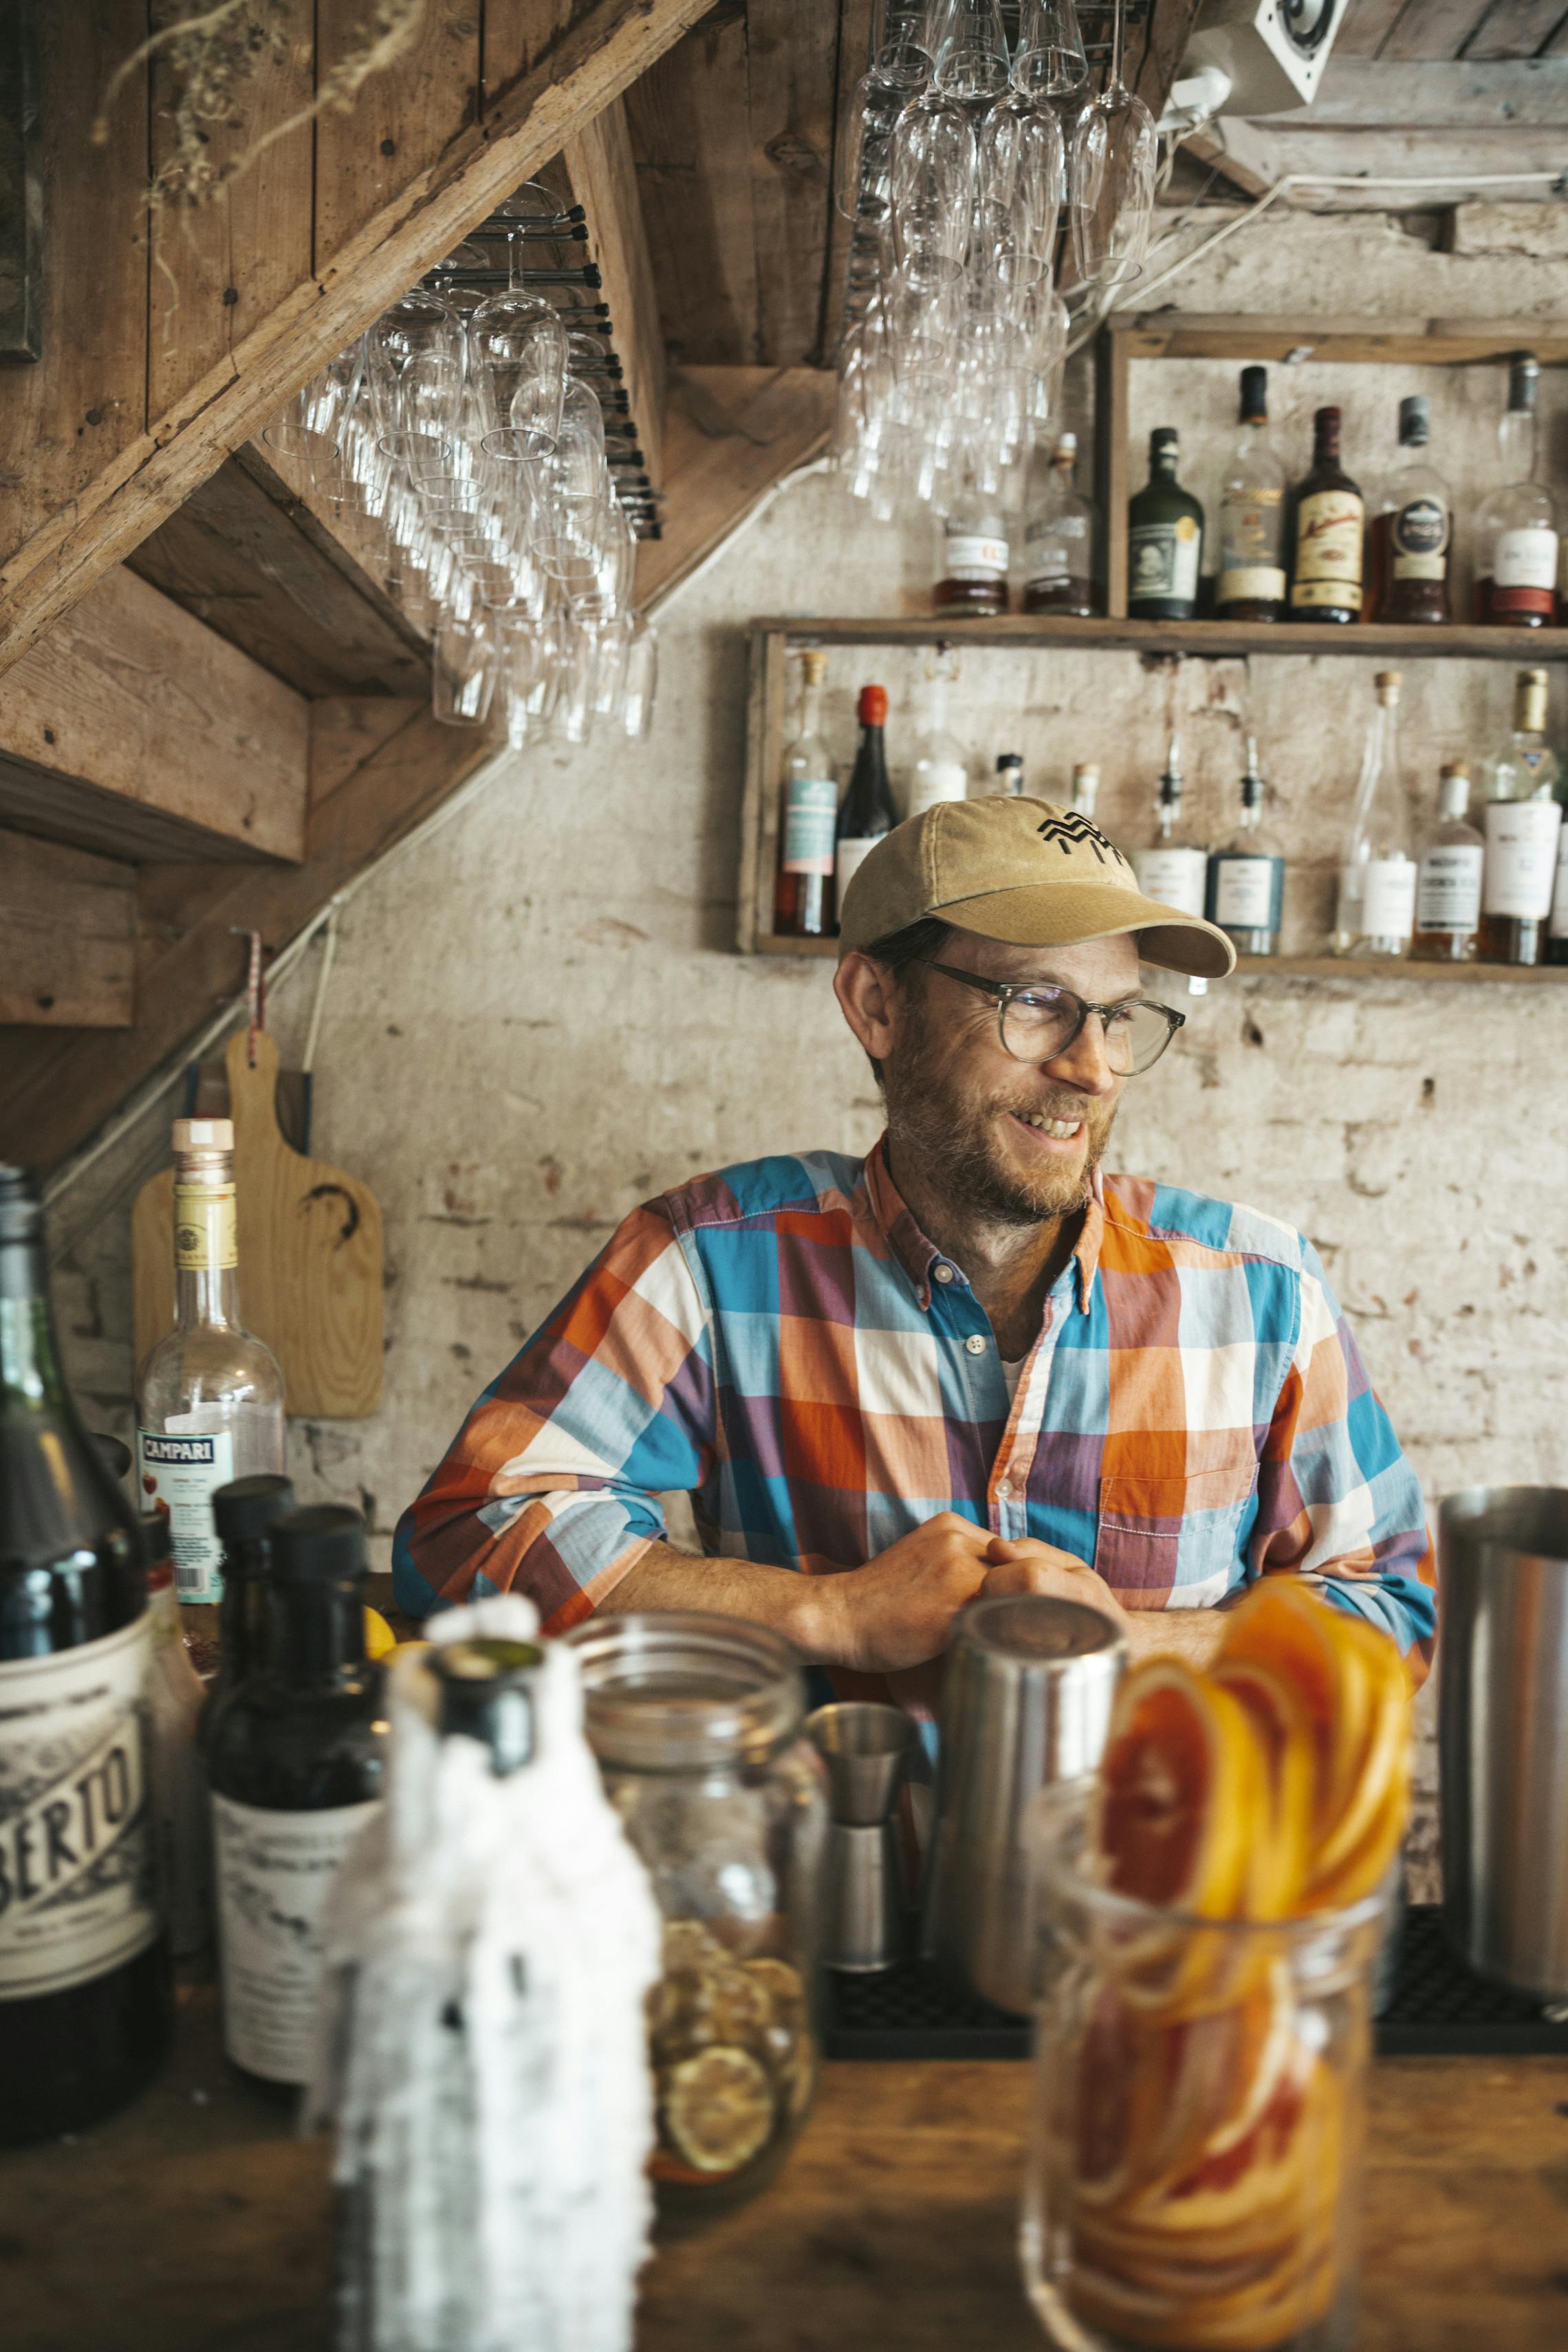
1174 876
1418 539
936 780
969 556
1252 584
1162 561
851 856
1521 857
1558 928
179 1472
1448 892
1388 897
275 1871
811 810
77 1879
1244 893
1526 558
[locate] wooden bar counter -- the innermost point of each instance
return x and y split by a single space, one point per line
195 2222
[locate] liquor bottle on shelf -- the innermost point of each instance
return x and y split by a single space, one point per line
1059 538
809 811
243 1513
1170 869
868 813
1009 784
176 1696
974 554
1376 912
1085 788
1448 876
1557 922
295 1762
1516 529
1327 527
1165 539
1412 533
209 1396
938 771
1252 488
1522 821
1247 878
85 2001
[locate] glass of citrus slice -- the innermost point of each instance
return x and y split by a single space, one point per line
1211 1910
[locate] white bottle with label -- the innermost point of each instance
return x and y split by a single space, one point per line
1247 878
1174 872
209 1396
1449 882
1376 912
1524 821
938 771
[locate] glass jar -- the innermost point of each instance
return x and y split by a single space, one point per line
696 1722
1199 2108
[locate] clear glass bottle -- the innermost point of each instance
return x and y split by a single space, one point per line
696 1722
1516 529
1252 488
176 1697
1009 784
868 813
209 1394
809 811
1059 538
1523 819
1169 869
1085 792
1245 891
1165 539
938 771
1412 533
1328 524
972 553
85 2005
1376 911
295 1764
1448 876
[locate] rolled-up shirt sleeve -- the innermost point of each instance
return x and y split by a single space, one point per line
1338 1502
552 1486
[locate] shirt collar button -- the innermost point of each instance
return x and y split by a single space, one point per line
943 1273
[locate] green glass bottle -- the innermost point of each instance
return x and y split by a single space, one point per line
1164 540
243 1513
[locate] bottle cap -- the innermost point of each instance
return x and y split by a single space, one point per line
246 1508
1456 768
1066 446
1453 791
1009 760
204 1135
1388 683
814 668
21 1211
1086 773
487 1694
871 707
1163 439
1254 396
1414 421
1523 369
1326 423
320 1543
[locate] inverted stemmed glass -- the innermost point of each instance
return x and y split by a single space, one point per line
1114 156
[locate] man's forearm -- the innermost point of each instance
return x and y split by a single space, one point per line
1193 1635
791 1603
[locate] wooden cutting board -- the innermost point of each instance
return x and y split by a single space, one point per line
309 1254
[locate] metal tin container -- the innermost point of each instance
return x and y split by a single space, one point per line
1030 1684
1502 1733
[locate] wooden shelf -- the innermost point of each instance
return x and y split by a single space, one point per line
1219 640
1289 966
1400 343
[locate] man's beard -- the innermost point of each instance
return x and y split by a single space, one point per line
955 1145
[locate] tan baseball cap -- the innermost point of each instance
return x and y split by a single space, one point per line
1023 871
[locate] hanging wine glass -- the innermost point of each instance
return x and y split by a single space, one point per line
1049 60
1114 154
1022 165
932 176
969 49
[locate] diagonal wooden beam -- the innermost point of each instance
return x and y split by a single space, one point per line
531 117
603 179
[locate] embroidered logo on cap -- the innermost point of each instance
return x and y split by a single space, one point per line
1072 828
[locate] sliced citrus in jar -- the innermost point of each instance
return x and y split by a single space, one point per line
1385 1743
1181 1780
1283 1858
718 2109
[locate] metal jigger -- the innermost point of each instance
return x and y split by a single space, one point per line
866 1748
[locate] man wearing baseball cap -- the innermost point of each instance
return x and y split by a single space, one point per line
973 1363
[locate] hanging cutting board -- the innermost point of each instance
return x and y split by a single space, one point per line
309 1254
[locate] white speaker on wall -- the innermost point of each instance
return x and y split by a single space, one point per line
1270 53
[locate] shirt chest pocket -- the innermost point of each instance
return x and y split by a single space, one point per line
1160 1535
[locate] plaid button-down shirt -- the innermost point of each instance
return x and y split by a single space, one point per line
782 1342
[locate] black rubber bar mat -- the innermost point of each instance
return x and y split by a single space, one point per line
1438 2008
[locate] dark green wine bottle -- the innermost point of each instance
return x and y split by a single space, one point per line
85 2004
243 1513
1164 540
295 1762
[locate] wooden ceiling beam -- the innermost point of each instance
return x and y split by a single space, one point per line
134 730
602 177
378 766
67 931
608 43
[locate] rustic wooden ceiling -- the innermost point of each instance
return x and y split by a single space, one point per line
1478 31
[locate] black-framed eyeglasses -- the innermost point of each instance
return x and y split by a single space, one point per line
1039 1021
